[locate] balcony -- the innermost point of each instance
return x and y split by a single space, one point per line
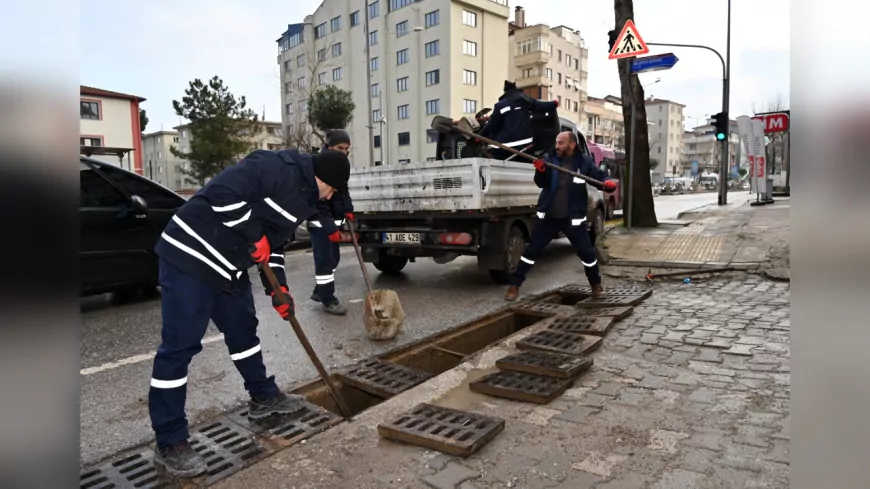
532 58
533 81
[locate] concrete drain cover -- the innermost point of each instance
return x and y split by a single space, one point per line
548 364
288 429
521 386
446 430
382 379
596 326
560 342
615 300
226 448
616 313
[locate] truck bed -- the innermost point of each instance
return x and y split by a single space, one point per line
469 184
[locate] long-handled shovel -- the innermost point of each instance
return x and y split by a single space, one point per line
445 125
297 328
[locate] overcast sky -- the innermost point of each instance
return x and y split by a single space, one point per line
154 48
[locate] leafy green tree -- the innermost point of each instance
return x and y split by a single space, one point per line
329 107
221 127
143 120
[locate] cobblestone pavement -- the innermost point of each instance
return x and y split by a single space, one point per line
690 391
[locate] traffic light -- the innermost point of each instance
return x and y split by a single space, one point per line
611 36
720 122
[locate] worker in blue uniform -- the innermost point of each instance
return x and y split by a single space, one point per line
511 120
326 253
241 218
562 208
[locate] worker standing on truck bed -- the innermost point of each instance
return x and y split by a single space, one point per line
562 206
510 123
205 251
327 253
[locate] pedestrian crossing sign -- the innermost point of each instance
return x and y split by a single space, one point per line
629 43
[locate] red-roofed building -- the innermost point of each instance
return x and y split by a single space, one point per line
109 128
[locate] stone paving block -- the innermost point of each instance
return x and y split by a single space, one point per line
694 341
450 476
637 350
670 345
651 381
779 452
594 400
753 436
599 464
631 397
666 441
439 461
578 481
726 478
725 333
695 459
704 395
666 396
687 378
679 358
687 348
577 414
674 336
627 481
710 369
709 355
741 457
658 329
612 388
723 343
707 438
679 478
649 339
541 416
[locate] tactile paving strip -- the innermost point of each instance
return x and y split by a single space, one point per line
617 313
596 326
288 429
521 386
226 448
382 379
446 430
559 342
614 300
550 364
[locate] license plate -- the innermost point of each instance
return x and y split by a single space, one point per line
402 238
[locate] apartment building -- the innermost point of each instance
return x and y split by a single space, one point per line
403 61
700 145
665 122
160 165
551 64
109 127
605 123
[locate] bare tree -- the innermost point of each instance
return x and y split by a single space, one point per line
777 139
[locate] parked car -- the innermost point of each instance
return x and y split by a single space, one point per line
122 215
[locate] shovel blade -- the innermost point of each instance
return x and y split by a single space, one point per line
442 123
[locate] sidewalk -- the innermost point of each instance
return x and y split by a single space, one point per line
690 391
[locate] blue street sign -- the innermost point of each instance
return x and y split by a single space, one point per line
694 168
657 62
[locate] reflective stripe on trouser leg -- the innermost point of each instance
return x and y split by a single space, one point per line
325 264
579 237
187 304
542 234
235 316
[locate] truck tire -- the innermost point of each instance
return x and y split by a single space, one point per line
390 264
609 206
514 247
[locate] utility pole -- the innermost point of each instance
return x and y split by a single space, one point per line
369 124
726 102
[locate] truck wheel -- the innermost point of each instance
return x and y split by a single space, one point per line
608 209
514 247
390 264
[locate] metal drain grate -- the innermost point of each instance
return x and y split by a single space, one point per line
596 326
546 309
446 430
617 313
614 300
226 448
288 429
521 386
556 365
382 379
559 342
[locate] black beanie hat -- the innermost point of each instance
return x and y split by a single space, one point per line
336 136
509 85
332 167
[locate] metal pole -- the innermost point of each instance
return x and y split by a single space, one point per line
726 88
365 12
381 124
630 183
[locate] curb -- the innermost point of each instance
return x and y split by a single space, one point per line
751 265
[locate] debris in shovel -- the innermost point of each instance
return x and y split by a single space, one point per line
384 318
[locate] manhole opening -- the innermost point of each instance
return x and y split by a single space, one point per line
357 400
566 299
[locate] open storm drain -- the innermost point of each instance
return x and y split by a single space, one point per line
446 430
542 307
382 379
559 342
616 313
549 364
596 326
615 300
225 447
521 386
288 429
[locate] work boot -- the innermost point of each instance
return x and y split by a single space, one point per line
180 460
335 308
280 404
512 293
598 291
315 297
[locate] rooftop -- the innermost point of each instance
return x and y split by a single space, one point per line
99 92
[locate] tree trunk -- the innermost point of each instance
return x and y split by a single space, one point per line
640 200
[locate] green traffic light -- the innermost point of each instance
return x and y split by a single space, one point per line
720 136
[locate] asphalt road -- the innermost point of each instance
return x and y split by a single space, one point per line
118 340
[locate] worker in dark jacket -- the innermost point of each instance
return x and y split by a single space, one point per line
562 207
510 123
326 253
242 217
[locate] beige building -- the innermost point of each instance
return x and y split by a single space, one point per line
160 165
439 57
605 122
109 127
700 144
551 64
665 136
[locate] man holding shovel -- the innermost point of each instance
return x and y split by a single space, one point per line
239 219
562 207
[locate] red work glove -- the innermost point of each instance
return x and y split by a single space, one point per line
556 102
539 165
260 252
341 237
349 216
284 310
609 186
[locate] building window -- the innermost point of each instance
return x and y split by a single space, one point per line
373 38
559 75
527 73
469 18
402 112
433 77
375 64
90 141
303 105
300 60
336 50
402 29
302 82
374 9
320 31
321 78
397 4
377 142
287 65
91 110
336 74
288 87
469 106
402 57
431 136
335 24
560 55
568 60
354 19
404 138
549 74
469 77
432 19
469 48
532 45
376 90
402 84
288 109
433 48
433 107
376 115
321 54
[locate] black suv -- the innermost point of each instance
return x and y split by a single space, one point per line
122 215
